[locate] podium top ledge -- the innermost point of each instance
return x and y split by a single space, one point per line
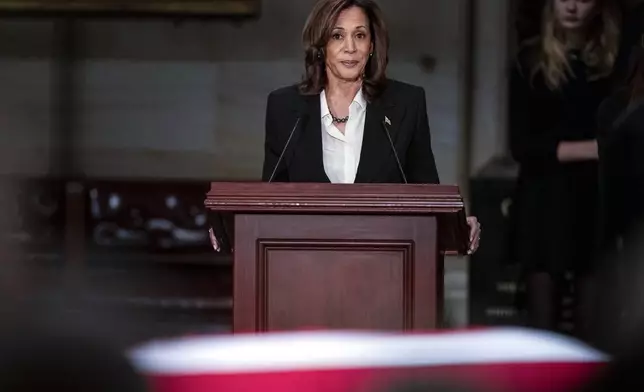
334 198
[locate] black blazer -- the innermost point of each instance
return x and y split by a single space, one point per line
403 104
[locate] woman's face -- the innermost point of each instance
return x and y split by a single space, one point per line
348 49
574 14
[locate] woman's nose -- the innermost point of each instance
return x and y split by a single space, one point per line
350 46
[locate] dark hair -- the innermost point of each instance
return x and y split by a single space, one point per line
317 32
635 75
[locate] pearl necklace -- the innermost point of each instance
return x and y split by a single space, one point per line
339 120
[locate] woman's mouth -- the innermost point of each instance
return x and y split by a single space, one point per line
350 63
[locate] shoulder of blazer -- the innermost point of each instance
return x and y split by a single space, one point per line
528 56
286 92
395 92
401 93
288 96
287 102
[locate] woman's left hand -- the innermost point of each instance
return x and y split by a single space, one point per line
475 234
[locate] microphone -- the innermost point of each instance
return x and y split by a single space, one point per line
391 144
288 141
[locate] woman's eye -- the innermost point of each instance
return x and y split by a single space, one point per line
337 36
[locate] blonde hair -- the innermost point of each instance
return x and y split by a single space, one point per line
599 51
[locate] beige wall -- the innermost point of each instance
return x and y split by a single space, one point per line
187 99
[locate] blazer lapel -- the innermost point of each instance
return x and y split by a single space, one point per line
375 144
309 152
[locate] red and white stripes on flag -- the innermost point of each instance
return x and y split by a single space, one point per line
504 359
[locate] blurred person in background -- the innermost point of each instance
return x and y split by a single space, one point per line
621 142
631 39
557 83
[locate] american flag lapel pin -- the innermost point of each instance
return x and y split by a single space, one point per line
387 121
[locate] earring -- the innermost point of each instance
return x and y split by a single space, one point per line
370 54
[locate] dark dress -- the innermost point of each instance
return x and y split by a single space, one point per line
556 202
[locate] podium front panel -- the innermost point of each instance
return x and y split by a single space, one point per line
337 272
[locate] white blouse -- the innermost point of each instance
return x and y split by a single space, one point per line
341 152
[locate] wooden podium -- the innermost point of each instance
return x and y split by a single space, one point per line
339 256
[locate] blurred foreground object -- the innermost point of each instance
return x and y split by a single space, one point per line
36 357
504 360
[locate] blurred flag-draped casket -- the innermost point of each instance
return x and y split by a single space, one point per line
507 359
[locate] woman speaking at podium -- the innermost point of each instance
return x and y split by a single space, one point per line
346 122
